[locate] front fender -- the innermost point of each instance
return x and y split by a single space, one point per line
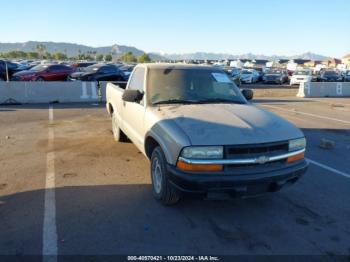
170 138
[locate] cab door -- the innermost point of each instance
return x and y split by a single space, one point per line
133 112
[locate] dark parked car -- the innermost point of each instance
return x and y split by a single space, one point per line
316 76
127 70
44 72
12 68
276 76
330 76
347 76
80 66
99 72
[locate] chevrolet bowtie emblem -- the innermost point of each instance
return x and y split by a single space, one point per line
262 160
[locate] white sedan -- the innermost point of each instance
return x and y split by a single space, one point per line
299 76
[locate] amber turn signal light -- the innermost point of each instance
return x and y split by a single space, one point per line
296 158
196 168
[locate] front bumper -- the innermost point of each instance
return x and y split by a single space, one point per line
272 81
233 184
247 81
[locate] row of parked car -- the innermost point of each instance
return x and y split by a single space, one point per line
282 76
84 71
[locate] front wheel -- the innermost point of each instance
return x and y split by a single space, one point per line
162 189
118 134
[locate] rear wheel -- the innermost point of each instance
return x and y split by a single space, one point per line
162 189
118 134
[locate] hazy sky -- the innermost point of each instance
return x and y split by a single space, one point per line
283 27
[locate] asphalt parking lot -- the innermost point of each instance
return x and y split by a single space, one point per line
99 202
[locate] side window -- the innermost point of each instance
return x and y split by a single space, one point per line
137 80
106 70
55 68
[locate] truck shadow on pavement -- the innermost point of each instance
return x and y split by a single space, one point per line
125 219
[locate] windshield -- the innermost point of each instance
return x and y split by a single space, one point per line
245 72
302 72
39 68
330 73
192 85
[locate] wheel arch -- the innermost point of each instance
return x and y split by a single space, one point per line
151 142
110 109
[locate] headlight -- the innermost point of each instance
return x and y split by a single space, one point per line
203 152
297 144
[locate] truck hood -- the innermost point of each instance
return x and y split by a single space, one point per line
229 124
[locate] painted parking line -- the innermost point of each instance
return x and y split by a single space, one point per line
49 227
308 114
328 168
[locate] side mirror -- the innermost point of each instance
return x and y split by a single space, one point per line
133 96
248 94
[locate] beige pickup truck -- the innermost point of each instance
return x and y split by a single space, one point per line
202 135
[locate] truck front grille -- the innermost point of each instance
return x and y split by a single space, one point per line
255 151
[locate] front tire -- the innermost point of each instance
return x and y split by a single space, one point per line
161 187
118 134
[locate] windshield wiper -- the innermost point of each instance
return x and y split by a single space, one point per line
176 101
220 100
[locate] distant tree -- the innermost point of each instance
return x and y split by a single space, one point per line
144 58
128 57
108 58
59 56
99 57
32 55
48 55
41 48
88 57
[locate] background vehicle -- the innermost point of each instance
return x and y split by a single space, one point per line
44 72
202 135
78 67
236 76
315 76
330 76
249 76
299 76
12 68
347 76
98 72
127 69
260 73
276 76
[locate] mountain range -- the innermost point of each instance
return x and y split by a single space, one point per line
74 49
222 56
